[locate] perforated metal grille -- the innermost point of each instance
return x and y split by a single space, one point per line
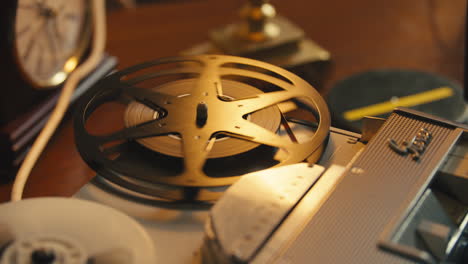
347 227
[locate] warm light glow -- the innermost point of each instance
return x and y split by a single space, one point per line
70 65
272 30
268 10
59 78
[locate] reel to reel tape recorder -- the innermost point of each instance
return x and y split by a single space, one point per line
189 127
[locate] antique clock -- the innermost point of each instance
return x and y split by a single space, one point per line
41 43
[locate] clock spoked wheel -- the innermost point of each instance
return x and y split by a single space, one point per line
44 41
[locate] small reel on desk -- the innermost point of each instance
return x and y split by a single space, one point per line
66 230
189 126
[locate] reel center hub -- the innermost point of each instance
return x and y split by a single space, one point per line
44 249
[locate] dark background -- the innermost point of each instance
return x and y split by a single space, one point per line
361 35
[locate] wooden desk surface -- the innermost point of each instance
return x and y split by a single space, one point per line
361 35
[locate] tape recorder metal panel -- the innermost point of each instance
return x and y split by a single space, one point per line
378 186
390 205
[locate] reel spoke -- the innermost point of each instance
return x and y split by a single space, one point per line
209 81
150 98
249 131
249 105
149 129
115 149
196 148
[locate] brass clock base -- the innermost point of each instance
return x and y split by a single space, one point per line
232 39
289 49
